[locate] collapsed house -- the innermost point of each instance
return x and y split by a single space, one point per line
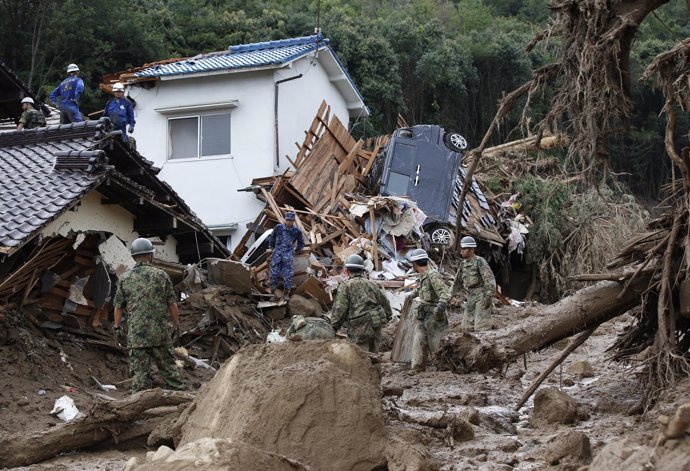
340 213
74 197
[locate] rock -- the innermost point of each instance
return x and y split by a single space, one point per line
405 451
552 406
162 434
568 382
209 454
461 429
581 369
391 390
471 415
301 306
162 453
679 422
296 399
571 443
131 464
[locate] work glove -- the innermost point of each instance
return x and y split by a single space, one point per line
175 333
488 301
118 334
131 129
440 312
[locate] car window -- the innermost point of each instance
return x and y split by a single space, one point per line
397 184
403 158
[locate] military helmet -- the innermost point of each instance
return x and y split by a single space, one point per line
290 216
468 242
418 254
28 100
355 261
142 246
72 68
118 87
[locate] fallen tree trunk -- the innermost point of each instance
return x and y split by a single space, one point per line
104 421
584 310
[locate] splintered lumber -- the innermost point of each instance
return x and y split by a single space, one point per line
529 143
106 420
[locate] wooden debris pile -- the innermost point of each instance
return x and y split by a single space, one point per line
324 191
215 322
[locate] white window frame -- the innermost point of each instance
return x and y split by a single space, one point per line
199 139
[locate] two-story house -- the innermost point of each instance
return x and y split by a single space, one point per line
215 121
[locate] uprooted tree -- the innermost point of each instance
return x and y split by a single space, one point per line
590 89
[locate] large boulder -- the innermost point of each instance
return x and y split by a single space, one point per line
571 444
581 369
552 406
317 402
207 454
674 455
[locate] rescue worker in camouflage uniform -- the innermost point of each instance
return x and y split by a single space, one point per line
430 317
146 293
281 243
475 278
120 111
69 93
31 118
362 306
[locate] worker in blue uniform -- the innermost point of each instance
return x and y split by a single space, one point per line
120 111
281 243
69 93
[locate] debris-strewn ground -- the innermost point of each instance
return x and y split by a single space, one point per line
464 422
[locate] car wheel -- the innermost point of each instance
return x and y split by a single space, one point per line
455 141
442 235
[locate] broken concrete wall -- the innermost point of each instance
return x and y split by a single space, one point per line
92 215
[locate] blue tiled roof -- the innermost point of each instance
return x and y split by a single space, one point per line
241 56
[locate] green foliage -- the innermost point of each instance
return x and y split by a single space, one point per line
432 61
546 202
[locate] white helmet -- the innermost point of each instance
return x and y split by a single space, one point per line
418 254
72 68
28 100
468 242
118 87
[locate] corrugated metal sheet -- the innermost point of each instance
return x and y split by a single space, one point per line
240 57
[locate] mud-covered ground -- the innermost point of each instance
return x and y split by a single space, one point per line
503 439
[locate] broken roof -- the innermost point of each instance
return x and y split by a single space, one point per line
46 171
248 57
12 91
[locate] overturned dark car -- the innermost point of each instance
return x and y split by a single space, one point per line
423 163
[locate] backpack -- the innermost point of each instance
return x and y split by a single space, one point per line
36 119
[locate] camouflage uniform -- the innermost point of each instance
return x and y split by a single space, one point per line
475 277
282 241
361 305
32 118
145 292
309 328
431 323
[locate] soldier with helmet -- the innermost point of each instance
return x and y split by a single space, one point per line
120 111
475 278
68 94
431 318
146 294
31 118
362 306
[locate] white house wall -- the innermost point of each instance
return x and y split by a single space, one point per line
91 215
209 185
299 100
